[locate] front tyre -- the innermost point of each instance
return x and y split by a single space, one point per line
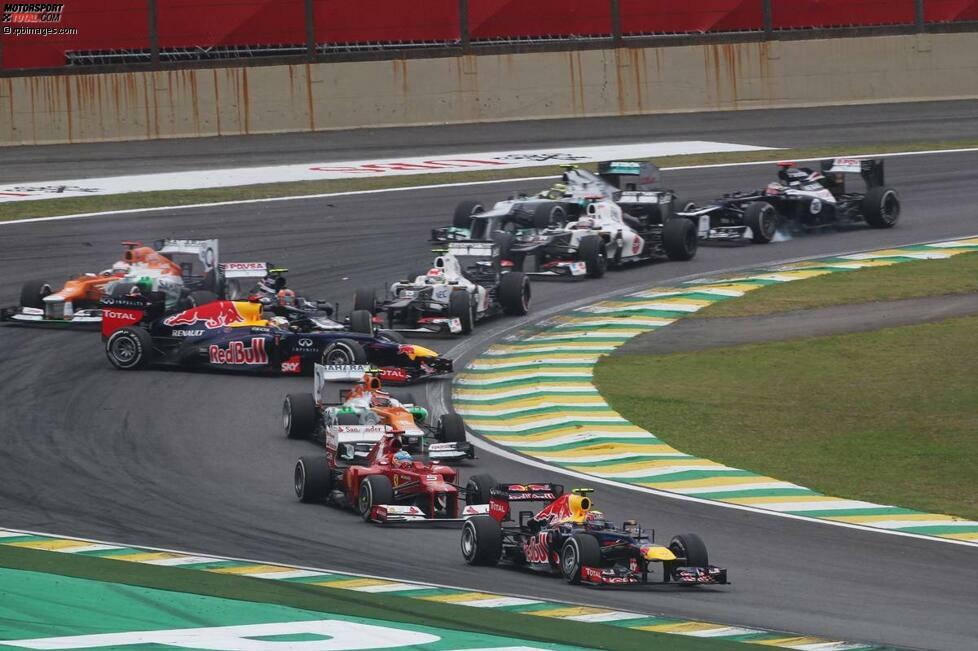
690 551
591 252
762 219
478 489
881 207
451 428
374 490
579 551
460 307
482 540
514 293
129 349
33 292
464 211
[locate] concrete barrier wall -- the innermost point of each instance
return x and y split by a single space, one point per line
233 101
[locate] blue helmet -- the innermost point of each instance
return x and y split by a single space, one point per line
403 455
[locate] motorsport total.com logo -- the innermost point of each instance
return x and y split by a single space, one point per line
20 12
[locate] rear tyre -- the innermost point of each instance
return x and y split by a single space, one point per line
365 299
460 307
129 349
514 293
362 321
392 335
881 207
33 292
451 428
579 551
762 219
299 415
482 540
344 352
313 479
591 252
478 489
374 490
200 297
679 239
463 213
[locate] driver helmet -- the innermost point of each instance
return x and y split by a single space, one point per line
436 272
120 268
556 191
279 322
403 456
286 298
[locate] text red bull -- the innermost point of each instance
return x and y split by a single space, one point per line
238 354
212 316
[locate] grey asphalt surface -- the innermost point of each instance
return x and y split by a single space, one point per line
698 334
198 461
796 127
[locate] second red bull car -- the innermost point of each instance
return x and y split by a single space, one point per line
234 335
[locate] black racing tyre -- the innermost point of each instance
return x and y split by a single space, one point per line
505 243
362 321
762 219
881 207
33 292
200 297
299 415
689 206
392 336
464 211
591 252
313 479
451 428
344 351
365 299
579 551
691 547
482 540
130 348
478 489
514 293
679 239
347 418
374 490
460 307
548 214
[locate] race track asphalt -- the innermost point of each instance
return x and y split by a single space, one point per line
198 462
796 127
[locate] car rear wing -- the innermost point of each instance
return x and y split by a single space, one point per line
244 269
539 492
631 176
870 169
325 373
408 515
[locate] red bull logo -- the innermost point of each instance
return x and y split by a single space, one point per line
238 354
212 316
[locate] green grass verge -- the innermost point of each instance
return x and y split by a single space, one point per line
69 206
957 275
346 602
886 416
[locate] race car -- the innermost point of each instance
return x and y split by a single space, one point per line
235 335
801 200
546 229
352 425
468 283
369 469
176 268
569 538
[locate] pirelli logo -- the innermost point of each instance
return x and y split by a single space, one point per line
28 12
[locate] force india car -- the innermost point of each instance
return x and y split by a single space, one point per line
349 428
233 335
568 537
173 267
800 200
467 283
368 468
556 230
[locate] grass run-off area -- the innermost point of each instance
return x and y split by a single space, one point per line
956 275
136 200
889 416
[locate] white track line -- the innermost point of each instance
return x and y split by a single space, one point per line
241 202
437 400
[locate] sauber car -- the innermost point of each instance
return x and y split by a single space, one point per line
234 335
800 200
174 268
364 413
468 282
569 538
370 469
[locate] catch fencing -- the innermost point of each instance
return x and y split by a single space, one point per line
79 33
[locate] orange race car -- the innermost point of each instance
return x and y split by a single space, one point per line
175 267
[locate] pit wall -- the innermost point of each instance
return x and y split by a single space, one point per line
494 87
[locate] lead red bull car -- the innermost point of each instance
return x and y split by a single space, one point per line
568 537
234 335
